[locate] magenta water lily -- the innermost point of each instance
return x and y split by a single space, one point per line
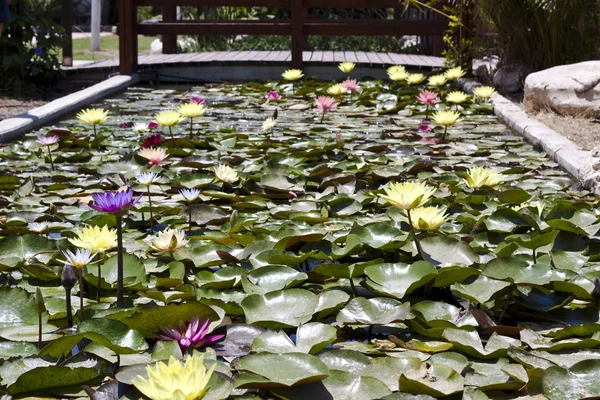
190 334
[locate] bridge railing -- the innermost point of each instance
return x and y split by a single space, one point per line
299 26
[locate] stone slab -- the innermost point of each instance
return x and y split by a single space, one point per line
566 153
16 126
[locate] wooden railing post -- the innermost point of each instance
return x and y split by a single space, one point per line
67 23
169 42
128 44
299 15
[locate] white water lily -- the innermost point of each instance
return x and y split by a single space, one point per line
225 173
169 241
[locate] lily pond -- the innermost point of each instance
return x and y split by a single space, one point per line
268 239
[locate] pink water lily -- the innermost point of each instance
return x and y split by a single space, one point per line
197 100
326 104
192 333
428 98
152 125
272 96
351 85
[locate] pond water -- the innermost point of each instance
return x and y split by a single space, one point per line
316 280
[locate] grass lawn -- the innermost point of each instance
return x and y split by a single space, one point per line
109 47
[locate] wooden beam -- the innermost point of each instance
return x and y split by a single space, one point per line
299 14
374 27
188 27
128 46
217 3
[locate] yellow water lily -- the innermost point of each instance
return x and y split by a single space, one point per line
169 241
455 73
445 117
176 380
336 90
168 118
484 92
346 67
481 176
397 73
408 195
96 239
191 110
93 116
437 80
415 79
292 74
269 124
456 97
428 218
225 173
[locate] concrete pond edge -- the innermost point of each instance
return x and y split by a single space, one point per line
12 128
578 162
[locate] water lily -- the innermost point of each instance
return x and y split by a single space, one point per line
538 205
98 240
415 79
346 67
484 92
292 75
272 96
93 116
225 173
117 204
446 118
155 156
456 97
147 179
351 86
190 195
429 99
139 127
325 104
152 125
408 195
191 111
38 227
48 141
437 80
455 73
125 125
190 334
336 90
80 259
269 124
428 218
152 140
197 100
481 176
168 119
177 380
169 241
397 73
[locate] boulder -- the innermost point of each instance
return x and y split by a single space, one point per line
567 89
509 79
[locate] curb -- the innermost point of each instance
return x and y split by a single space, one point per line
566 153
16 126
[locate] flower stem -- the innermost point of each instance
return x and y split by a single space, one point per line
50 155
426 112
171 133
151 219
80 295
322 117
120 301
191 125
190 219
69 311
100 277
444 135
95 137
412 230
40 330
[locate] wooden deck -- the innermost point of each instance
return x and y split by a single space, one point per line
364 59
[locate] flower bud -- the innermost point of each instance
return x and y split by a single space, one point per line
67 278
40 307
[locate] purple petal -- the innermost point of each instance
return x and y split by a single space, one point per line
212 338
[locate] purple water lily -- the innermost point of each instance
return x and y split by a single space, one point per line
114 202
192 333
197 100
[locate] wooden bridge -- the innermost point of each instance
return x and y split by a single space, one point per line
299 26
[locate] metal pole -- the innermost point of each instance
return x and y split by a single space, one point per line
96 13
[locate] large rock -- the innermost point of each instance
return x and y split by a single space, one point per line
509 79
567 89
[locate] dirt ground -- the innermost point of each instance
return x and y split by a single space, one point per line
12 107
